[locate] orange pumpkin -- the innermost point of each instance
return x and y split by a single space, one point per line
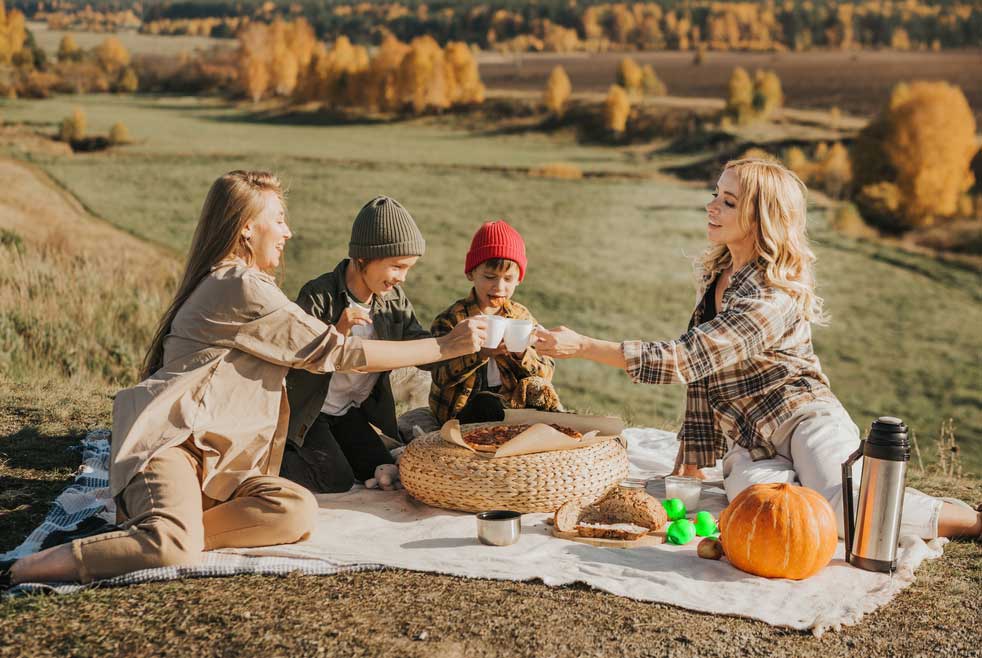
779 531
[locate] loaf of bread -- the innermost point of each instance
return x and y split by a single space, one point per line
611 514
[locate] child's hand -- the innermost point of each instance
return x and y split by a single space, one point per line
352 317
466 338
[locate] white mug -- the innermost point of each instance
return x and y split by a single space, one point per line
496 330
518 335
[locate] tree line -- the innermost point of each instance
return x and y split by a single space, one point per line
589 25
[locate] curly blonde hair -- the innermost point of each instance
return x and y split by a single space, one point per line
772 205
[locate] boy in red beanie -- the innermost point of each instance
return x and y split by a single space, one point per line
478 387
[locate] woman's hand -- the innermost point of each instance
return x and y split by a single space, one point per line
559 343
686 469
689 470
466 338
351 317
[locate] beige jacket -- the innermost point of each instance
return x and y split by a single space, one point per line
225 361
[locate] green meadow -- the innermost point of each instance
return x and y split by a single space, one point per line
609 255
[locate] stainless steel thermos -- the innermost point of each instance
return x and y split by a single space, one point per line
873 530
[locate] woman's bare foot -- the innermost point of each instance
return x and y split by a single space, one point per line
959 521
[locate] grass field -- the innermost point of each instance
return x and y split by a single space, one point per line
135 42
810 79
610 257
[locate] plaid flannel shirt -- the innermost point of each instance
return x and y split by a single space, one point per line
747 370
455 379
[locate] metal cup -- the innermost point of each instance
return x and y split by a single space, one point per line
499 527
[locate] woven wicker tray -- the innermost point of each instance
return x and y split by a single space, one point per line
444 475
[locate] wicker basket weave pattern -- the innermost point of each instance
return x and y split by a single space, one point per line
449 476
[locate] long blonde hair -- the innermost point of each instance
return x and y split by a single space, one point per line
233 200
772 205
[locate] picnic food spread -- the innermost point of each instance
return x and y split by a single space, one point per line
463 468
490 438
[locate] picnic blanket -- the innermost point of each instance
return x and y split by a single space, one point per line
369 529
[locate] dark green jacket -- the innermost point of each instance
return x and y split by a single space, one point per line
325 298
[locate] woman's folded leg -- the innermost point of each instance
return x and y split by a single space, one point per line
162 512
263 511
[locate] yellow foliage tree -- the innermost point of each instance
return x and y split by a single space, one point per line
617 108
422 76
112 55
651 83
833 171
67 49
382 86
129 83
464 86
254 56
630 76
931 143
768 95
119 134
73 127
558 90
13 34
740 99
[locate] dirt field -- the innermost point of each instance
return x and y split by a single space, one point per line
858 83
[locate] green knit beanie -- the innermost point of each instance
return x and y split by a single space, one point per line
383 228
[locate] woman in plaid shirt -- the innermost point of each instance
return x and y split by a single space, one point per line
756 396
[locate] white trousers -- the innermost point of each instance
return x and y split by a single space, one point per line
811 446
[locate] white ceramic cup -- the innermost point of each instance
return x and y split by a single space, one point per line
518 335
496 330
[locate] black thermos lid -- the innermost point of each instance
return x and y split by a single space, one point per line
888 440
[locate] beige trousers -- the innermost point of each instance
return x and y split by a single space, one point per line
168 521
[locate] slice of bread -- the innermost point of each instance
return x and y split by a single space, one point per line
567 516
624 531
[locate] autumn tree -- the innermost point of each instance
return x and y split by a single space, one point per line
254 57
740 99
630 76
617 108
558 90
464 86
768 95
13 34
73 127
382 84
422 77
913 162
651 83
119 134
129 83
68 50
112 55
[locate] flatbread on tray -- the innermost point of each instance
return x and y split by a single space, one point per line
542 432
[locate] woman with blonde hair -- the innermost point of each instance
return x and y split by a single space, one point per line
197 444
756 396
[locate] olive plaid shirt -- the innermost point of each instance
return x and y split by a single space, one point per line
455 379
747 370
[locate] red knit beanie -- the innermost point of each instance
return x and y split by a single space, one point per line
497 240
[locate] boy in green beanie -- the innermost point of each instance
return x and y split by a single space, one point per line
330 441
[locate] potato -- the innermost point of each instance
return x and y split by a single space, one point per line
710 549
